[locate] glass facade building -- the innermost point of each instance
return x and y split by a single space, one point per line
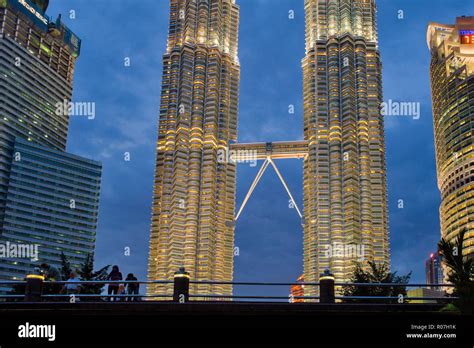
194 192
36 69
452 88
47 196
53 202
345 194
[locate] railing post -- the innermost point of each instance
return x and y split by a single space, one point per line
326 287
34 288
181 286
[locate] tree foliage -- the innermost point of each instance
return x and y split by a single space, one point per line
460 271
87 273
374 274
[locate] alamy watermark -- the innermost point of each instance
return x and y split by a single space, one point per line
28 330
85 109
19 251
237 156
396 108
346 251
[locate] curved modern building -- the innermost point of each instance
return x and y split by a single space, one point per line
452 84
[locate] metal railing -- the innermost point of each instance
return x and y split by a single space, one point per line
36 289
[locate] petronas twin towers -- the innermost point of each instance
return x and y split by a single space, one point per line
345 201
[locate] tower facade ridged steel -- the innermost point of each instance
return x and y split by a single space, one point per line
194 191
452 88
345 196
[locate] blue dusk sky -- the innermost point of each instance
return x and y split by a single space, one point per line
269 233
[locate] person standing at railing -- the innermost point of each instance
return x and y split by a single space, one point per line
132 288
122 293
53 275
115 275
72 286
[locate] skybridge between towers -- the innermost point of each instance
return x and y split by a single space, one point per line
275 150
268 152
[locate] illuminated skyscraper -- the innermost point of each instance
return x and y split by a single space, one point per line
37 60
452 85
48 198
194 191
434 271
345 197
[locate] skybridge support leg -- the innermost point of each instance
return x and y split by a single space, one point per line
260 173
286 187
252 188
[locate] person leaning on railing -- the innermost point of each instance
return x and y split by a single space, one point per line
132 288
72 286
53 275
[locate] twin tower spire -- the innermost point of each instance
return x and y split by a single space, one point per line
345 203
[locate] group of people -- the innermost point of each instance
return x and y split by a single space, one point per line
128 291
131 288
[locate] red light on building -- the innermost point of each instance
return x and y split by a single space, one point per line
297 291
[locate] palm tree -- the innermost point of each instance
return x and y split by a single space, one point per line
460 271
376 274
